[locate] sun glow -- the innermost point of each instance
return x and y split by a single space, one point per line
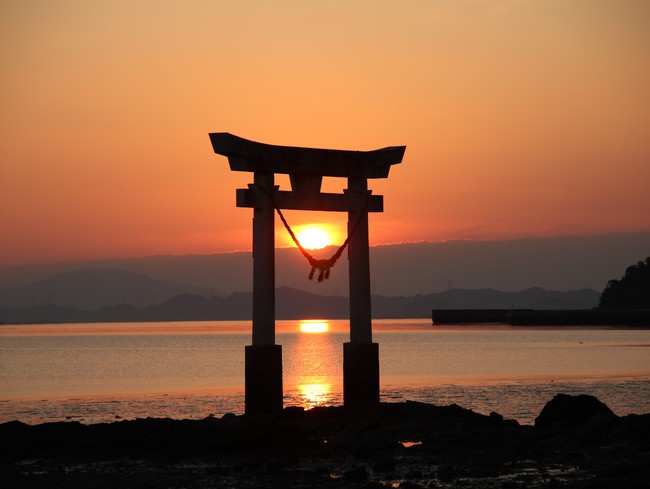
313 237
314 326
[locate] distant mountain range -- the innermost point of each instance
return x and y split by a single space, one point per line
296 304
408 269
408 281
92 288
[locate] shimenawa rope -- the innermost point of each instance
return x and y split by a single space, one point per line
323 266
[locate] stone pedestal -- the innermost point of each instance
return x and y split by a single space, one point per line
360 374
263 379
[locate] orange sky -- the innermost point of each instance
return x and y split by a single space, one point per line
521 118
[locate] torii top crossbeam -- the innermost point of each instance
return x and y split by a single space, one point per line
251 156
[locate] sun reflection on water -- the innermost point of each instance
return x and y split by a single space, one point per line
312 395
312 364
314 326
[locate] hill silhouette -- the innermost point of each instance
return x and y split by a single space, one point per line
93 288
297 304
406 269
630 292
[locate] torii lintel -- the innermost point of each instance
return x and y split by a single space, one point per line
251 156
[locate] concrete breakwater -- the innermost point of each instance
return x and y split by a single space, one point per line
543 317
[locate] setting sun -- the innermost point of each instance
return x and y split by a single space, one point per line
313 237
314 326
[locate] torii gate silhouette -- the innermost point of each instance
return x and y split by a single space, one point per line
306 168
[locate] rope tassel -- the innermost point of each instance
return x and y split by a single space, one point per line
323 267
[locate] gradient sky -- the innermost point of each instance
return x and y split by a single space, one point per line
521 117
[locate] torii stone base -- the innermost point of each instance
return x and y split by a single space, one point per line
360 374
263 382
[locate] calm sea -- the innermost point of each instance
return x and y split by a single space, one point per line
102 372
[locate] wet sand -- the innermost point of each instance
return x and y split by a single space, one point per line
406 445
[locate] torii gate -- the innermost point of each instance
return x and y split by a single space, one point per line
306 168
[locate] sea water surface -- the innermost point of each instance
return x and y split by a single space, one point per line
103 372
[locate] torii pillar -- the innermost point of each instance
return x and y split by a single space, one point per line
306 168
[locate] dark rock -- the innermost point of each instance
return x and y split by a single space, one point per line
385 465
294 412
496 416
357 473
566 410
447 473
335 447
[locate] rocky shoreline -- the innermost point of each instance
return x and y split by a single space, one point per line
576 442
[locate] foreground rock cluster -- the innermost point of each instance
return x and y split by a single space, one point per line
577 442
